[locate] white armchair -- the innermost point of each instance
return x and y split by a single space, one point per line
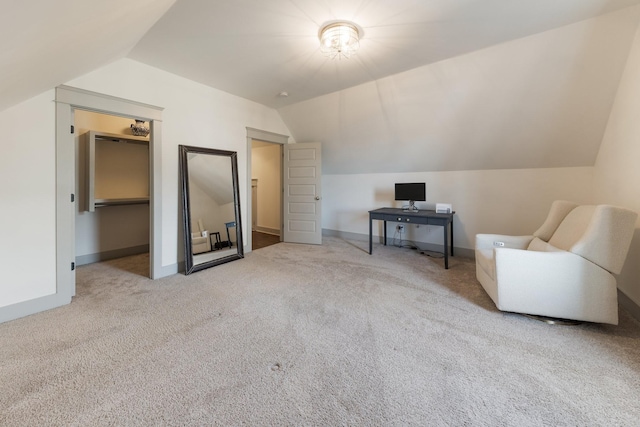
200 241
565 269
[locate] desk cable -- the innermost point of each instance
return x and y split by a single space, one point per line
413 245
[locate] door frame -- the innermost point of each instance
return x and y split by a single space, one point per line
69 99
274 138
254 184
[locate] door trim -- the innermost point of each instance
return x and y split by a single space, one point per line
274 138
67 100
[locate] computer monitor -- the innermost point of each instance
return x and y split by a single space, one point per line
411 192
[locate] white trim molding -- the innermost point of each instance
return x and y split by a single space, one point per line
266 136
67 100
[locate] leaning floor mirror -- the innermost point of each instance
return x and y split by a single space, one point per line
210 207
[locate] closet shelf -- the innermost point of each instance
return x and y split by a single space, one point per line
99 203
115 166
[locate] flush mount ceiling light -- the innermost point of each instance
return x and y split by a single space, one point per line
339 39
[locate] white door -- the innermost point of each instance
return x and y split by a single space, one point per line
302 193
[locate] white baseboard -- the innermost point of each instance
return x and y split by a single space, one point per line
27 308
113 254
170 270
462 252
268 230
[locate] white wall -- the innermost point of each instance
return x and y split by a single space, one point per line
617 171
27 200
193 114
493 201
542 101
45 43
113 227
500 133
266 167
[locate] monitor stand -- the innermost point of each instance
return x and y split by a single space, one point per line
412 207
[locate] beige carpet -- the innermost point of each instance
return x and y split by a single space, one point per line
310 335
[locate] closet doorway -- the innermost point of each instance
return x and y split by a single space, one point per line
68 101
114 174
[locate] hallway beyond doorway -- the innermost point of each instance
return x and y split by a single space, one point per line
262 240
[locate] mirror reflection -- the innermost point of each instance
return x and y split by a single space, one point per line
211 209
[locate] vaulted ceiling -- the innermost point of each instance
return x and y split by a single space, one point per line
257 49
46 43
447 84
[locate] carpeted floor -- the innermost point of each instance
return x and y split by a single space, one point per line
310 335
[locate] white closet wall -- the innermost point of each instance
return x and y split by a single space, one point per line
110 229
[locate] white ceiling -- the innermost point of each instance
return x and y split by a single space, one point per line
256 49
45 43
537 102
446 83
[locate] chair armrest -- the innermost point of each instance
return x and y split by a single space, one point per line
490 241
558 284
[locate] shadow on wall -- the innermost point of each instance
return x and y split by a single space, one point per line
385 196
631 270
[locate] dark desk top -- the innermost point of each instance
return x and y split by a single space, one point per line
420 213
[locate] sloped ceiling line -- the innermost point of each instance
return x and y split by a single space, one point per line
536 102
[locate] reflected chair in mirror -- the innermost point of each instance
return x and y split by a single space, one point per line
200 240
565 270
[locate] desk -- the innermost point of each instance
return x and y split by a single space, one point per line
408 217
229 225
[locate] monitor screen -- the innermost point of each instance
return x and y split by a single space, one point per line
415 191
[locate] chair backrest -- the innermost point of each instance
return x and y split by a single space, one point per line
557 213
602 234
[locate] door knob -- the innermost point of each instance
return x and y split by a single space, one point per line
317 197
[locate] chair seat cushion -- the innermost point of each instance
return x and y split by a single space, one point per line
540 245
484 258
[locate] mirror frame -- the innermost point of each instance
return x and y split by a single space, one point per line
185 150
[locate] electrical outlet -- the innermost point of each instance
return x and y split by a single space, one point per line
400 227
499 244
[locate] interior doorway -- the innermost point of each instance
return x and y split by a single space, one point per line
266 193
112 190
68 100
300 174
271 143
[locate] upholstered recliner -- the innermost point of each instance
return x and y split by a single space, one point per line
200 240
565 269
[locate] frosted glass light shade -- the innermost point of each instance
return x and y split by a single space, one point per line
339 39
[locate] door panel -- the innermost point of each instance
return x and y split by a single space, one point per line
302 193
